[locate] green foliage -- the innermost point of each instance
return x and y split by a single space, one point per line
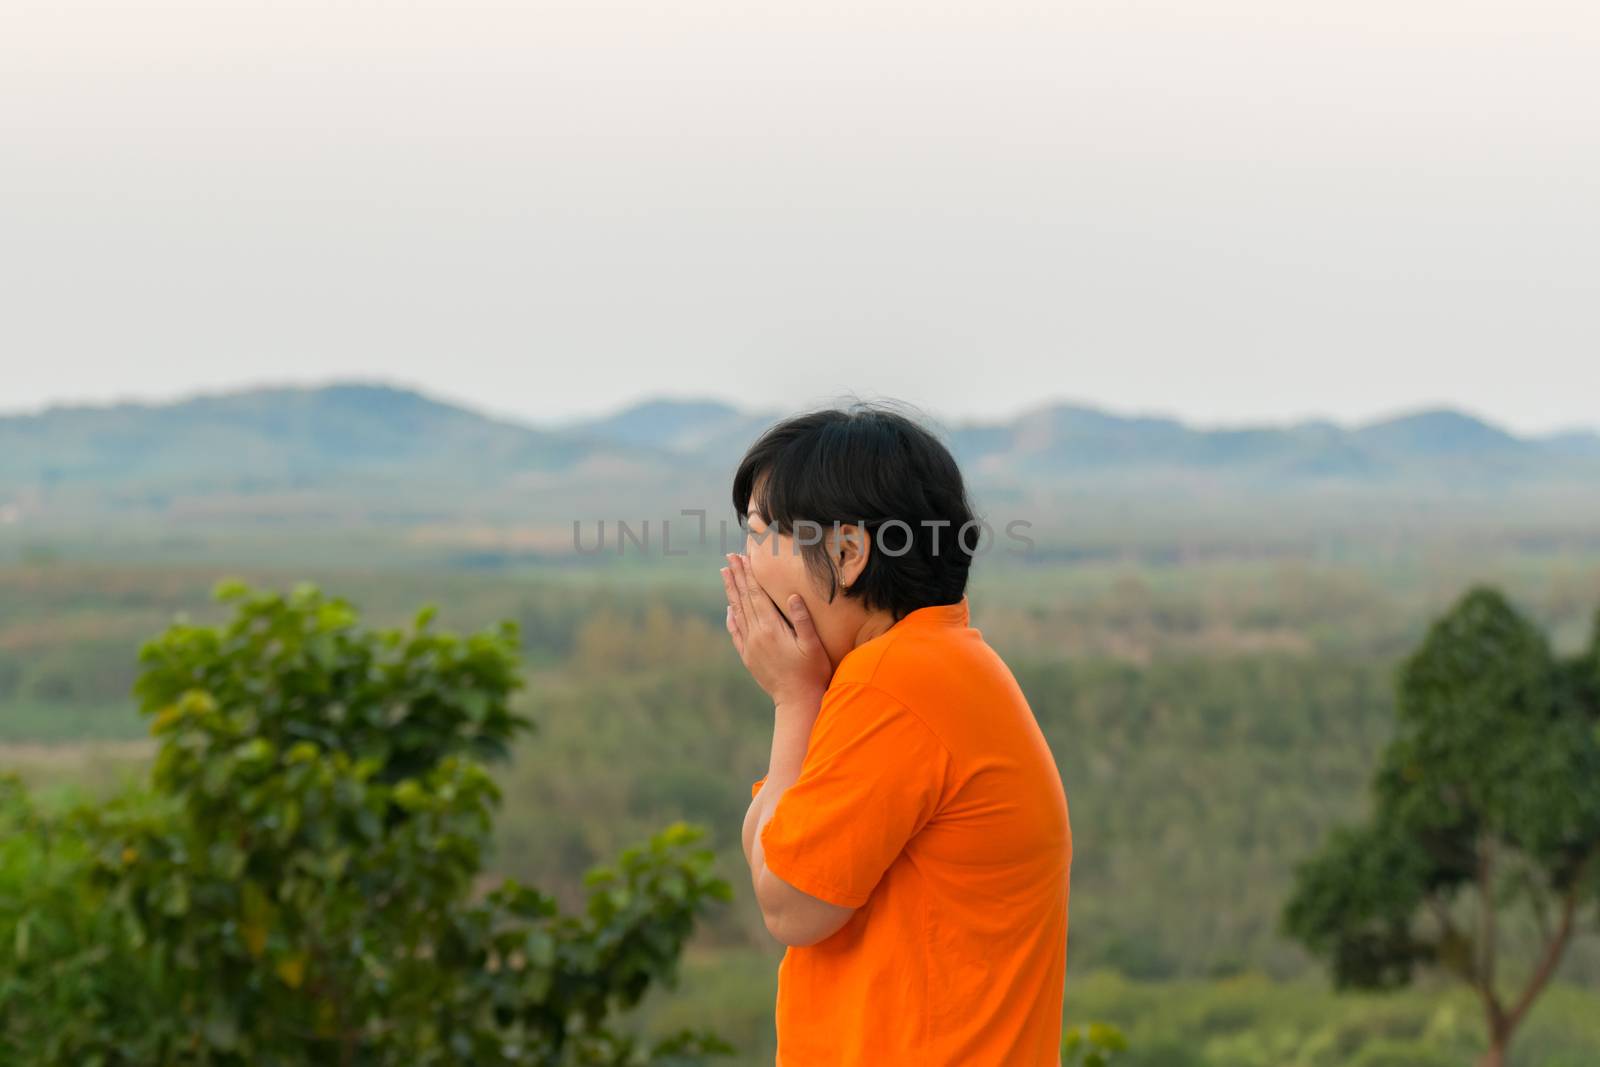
1355 902
1211 722
1255 1021
1092 1045
298 884
1489 793
1491 745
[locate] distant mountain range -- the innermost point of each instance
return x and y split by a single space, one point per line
1068 442
375 441
272 437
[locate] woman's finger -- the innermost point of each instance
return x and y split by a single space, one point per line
805 633
735 601
743 579
733 631
766 607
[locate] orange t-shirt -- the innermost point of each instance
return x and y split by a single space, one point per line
929 801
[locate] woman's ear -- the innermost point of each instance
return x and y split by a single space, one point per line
849 547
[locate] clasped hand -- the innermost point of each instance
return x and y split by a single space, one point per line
784 656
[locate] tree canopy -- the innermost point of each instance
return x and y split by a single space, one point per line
1485 805
299 882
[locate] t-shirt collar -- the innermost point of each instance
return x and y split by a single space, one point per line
957 614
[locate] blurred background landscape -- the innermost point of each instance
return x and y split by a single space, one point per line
1207 623
1270 323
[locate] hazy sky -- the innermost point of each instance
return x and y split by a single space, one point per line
1231 211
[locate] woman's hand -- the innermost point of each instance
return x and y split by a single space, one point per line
788 662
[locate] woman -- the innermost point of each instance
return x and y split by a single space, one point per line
909 842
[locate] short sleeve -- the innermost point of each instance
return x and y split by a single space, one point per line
872 777
755 786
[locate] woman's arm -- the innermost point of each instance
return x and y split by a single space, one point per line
791 916
788 661
791 730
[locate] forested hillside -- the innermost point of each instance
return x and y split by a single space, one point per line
1210 724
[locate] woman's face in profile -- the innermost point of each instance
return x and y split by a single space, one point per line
778 566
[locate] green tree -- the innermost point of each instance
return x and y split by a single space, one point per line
300 882
1485 807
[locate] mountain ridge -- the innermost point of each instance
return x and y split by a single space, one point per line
370 434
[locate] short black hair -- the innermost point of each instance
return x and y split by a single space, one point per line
867 466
